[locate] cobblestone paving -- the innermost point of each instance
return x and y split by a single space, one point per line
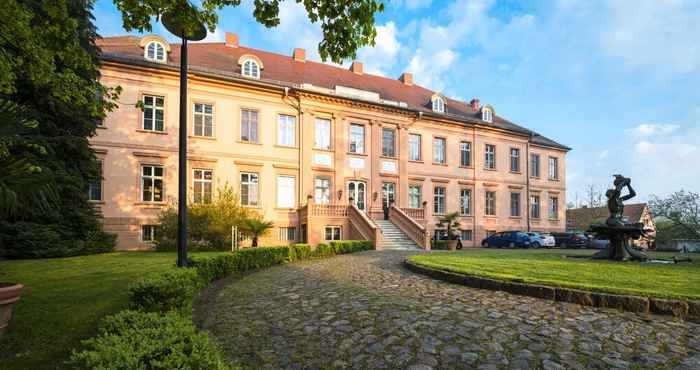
365 311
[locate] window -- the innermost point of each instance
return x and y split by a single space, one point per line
514 160
332 233
414 196
100 120
490 209
439 200
490 157
388 194
153 113
515 204
439 148
534 165
251 68
553 168
286 130
535 206
438 104
286 188
202 185
357 138
151 183
553 208
465 154
148 233
203 120
487 114
388 142
322 134
249 125
465 235
155 51
490 232
441 234
465 202
249 189
414 147
95 187
288 234
322 190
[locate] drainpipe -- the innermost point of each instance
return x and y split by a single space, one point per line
473 205
527 180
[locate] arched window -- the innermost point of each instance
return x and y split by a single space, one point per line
155 51
487 114
438 104
251 68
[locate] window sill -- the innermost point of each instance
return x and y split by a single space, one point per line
251 207
490 169
415 161
323 150
96 202
535 177
212 138
101 127
466 167
290 209
388 157
286 146
439 164
248 142
152 132
490 216
553 180
357 154
516 172
466 215
515 217
151 204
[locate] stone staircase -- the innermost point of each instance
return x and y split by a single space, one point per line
393 238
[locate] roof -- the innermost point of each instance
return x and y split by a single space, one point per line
581 218
218 58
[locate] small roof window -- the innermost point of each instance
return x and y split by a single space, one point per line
438 104
487 114
155 48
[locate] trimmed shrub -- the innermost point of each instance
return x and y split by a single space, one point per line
299 252
323 250
140 340
439 245
170 290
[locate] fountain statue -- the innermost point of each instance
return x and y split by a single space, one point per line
616 229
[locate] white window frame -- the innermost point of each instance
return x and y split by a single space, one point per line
286 130
250 68
415 196
553 208
518 208
386 150
439 151
322 133
153 178
154 108
439 200
465 147
148 233
157 46
487 115
465 201
535 206
287 234
490 156
322 195
534 165
286 201
335 231
514 160
202 115
469 231
253 181
490 203
253 118
438 104
356 144
414 148
553 164
98 183
201 195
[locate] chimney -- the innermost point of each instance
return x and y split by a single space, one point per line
299 55
231 40
474 103
356 67
406 78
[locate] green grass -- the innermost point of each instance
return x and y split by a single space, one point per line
553 268
64 299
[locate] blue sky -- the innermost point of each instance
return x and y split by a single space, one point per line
618 81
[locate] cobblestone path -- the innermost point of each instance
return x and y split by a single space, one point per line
365 311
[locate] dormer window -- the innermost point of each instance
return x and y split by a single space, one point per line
155 51
438 104
487 114
251 68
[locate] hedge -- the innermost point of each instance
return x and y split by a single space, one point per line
438 245
170 290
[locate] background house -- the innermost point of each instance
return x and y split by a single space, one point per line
580 219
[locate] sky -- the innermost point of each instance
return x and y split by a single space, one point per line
617 81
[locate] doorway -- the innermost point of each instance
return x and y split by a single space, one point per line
357 191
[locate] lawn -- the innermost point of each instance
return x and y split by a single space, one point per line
63 301
552 267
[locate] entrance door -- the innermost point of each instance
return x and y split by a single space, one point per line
356 194
388 194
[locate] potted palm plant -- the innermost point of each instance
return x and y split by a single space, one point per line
9 295
450 223
255 228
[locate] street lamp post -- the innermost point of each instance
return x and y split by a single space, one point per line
171 24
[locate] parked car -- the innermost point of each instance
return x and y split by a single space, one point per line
507 239
597 243
571 240
539 240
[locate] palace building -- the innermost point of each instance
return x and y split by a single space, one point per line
319 150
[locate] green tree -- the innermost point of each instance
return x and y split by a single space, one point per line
681 209
255 227
49 70
346 25
451 223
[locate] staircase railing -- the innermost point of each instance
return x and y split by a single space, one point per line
366 227
414 213
410 227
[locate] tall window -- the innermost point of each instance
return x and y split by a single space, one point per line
553 208
357 138
388 142
285 191
148 233
465 154
553 168
465 202
287 127
203 120
287 233
535 206
332 233
414 196
439 200
95 187
249 189
249 125
414 147
514 160
202 185
534 165
490 209
322 134
322 190
490 157
465 235
251 69
153 113
515 204
155 51
388 194
439 150
151 183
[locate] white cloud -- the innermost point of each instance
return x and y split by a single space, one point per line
378 57
216 36
417 4
431 69
651 129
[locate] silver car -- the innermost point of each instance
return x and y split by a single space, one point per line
539 240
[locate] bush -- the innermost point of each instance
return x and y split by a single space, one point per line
439 245
299 252
170 290
36 240
139 340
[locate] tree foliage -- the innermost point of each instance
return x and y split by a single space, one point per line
346 25
450 222
255 227
681 209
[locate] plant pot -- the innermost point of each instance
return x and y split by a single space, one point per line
452 245
9 295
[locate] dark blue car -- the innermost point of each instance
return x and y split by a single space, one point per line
507 239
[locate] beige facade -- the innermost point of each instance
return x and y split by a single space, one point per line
328 149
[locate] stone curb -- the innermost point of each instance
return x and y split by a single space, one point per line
689 310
